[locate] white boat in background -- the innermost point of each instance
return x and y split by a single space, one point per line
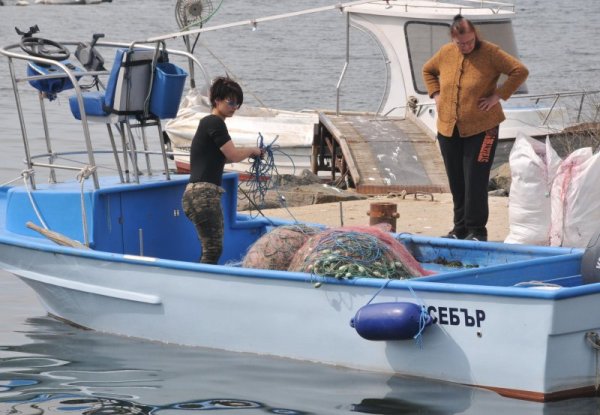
408 32
292 132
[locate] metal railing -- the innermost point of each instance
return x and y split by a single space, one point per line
13 53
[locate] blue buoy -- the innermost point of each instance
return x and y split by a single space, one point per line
390 321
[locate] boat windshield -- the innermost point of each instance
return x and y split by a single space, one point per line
424 39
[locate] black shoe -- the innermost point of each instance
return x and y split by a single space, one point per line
456 234
476 237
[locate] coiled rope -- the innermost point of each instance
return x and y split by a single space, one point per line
261 172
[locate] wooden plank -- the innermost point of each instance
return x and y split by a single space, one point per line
59 238
387 153
337 134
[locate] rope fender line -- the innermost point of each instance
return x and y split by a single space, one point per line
85 173
26 174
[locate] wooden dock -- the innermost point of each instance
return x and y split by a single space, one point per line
378 154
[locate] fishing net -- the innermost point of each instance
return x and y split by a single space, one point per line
356 252
275 250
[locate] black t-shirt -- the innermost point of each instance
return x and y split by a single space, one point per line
206 159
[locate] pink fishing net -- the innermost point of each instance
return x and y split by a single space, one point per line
356 251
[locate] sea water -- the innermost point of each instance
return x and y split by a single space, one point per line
49 367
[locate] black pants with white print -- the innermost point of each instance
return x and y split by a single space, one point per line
468 162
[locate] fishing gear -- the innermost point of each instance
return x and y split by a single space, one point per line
261 172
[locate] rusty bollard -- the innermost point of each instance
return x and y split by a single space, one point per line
383 213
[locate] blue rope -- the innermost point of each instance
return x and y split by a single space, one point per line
424 319
261 171
378 291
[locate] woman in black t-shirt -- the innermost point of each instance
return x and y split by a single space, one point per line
211 148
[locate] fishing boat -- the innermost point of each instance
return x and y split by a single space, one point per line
104 243
408 33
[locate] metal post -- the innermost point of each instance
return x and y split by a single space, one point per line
141 240
343 74
115 152
163 150
383 213
47 137
22 123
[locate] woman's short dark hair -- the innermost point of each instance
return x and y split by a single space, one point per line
224 87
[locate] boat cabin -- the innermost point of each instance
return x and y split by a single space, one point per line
410 32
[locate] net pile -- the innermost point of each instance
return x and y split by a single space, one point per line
356 252
275 250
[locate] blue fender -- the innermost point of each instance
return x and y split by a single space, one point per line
390 321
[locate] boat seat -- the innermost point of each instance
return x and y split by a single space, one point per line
127 88
124 104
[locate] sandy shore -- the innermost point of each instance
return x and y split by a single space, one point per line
421 215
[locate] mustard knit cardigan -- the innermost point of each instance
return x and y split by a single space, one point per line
462 80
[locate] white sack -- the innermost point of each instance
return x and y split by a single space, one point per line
575 200
533 166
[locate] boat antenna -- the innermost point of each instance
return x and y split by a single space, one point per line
194 13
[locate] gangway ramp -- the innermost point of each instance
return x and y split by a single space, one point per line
379 154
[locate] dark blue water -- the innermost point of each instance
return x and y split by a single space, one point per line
48 367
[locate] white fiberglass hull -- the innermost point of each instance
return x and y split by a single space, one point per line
509 344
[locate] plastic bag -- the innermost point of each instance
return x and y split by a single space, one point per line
534 165
575 201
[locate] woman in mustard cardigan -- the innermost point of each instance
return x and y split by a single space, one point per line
462 78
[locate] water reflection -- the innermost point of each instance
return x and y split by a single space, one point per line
72 403
65 370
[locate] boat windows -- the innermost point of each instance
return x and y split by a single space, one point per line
424 39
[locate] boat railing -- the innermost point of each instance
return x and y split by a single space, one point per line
557 110
65 70
457 6
580 99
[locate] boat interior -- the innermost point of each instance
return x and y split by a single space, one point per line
146 220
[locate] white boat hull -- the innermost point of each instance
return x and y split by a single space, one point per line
514 348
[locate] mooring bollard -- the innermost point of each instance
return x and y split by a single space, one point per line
384 212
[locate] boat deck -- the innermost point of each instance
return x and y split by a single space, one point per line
379 155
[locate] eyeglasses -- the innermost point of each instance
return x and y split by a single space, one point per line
232 104
465 44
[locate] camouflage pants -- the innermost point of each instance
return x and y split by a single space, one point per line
202 205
